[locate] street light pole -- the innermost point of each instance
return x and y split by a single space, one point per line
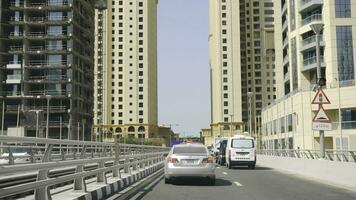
47 123
231 125
37 119
249 95
317 28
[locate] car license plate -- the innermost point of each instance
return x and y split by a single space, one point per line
189 162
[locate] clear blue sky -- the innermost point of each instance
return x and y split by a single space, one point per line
183 65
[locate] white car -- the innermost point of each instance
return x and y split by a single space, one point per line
189 160
241 150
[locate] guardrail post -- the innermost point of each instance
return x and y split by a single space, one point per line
44 193
141 162
116 170
75 154
79 183
147 161
11 157
101 178
127 165
63 154
134 164
32 156
353 155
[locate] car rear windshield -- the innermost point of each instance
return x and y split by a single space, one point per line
242 143
189 150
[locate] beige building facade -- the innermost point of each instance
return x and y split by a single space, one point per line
241 61
287 123
126 69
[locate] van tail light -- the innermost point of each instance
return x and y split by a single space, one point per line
210 159
172 160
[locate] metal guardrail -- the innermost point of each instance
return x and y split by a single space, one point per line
332 155
43 156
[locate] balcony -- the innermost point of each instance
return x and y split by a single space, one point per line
16 50
48 49
286 77
46 35
47 92
16 20
310 42
307 5
16 35
285 42
14 65
16 5
13 79
35 64
284 8
310 63
284 25
12 93
285 60
54 124
52 5
41 20
312 18
48 78
44 108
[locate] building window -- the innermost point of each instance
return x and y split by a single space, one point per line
345 55
343 8
349 119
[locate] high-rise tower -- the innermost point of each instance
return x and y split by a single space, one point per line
126 68
47 50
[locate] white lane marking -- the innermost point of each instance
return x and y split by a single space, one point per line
237 184
218 167
224 173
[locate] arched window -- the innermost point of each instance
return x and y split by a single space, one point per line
141 129
118 130
131 129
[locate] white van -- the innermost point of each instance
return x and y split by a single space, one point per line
241 150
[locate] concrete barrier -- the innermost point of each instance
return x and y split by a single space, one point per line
100 191
341 174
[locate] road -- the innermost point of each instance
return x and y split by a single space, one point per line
244 184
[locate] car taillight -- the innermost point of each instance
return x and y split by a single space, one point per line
210 159
172 160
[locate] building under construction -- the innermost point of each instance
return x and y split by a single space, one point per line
46 57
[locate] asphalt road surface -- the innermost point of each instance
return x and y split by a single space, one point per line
244 184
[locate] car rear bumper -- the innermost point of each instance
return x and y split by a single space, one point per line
242 162
201 171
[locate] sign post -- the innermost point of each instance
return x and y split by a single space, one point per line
321 121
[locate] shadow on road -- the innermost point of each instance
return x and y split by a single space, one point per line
246 168
200 182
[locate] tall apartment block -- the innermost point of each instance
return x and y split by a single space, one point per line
241 60
287 123
126 69
46 77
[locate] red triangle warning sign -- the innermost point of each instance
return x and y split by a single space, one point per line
320 98
321 116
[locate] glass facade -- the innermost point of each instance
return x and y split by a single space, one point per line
348 119
345 53
343 8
